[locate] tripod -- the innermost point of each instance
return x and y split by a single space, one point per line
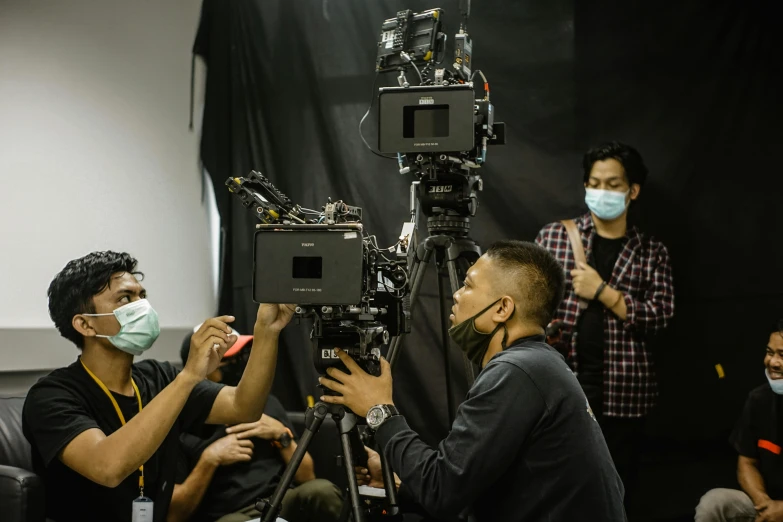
353 453
454 252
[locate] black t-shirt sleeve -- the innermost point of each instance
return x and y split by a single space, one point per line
52 418
501 410
199 404
745 436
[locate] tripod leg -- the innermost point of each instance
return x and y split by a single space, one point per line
420 268
393 509
455 277
271 508
414 268
460 255
444 332
346 424
394 350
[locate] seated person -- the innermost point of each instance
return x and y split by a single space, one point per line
758 440
105 431
223 470
525 445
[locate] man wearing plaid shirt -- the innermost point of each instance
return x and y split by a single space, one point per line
612 303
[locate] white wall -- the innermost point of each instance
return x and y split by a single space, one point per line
95 154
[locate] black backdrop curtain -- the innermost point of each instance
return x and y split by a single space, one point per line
693 85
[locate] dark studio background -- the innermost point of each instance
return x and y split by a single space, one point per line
693 85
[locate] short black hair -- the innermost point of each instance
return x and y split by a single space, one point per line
540 277
629 158
71 291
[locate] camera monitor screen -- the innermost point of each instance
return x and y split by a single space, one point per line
425 121
307 267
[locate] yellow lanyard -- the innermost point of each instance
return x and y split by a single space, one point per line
119 411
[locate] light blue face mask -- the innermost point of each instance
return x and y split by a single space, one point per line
139 327
775 384
606 204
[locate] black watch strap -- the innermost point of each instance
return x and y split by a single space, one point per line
389 411
599 290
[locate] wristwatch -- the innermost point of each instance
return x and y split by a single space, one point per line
284 440
379 413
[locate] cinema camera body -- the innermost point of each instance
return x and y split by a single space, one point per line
358 294
326 263
438 129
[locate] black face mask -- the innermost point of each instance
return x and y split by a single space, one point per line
472 342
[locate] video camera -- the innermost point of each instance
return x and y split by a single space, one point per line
438 129
357 293
326 263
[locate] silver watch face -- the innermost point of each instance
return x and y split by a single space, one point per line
374 416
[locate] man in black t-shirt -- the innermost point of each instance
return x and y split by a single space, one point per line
525 445
758 438
614 302
105 431
223 470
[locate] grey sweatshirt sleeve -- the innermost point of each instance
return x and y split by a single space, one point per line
490 427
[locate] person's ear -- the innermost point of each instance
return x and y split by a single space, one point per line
505 309
635 189
82 325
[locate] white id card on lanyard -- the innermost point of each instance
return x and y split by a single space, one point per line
142 509
142 506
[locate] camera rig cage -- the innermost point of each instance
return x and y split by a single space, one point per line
326 263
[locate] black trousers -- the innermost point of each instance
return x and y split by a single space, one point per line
624 438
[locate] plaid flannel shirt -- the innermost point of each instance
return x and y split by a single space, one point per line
643 274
